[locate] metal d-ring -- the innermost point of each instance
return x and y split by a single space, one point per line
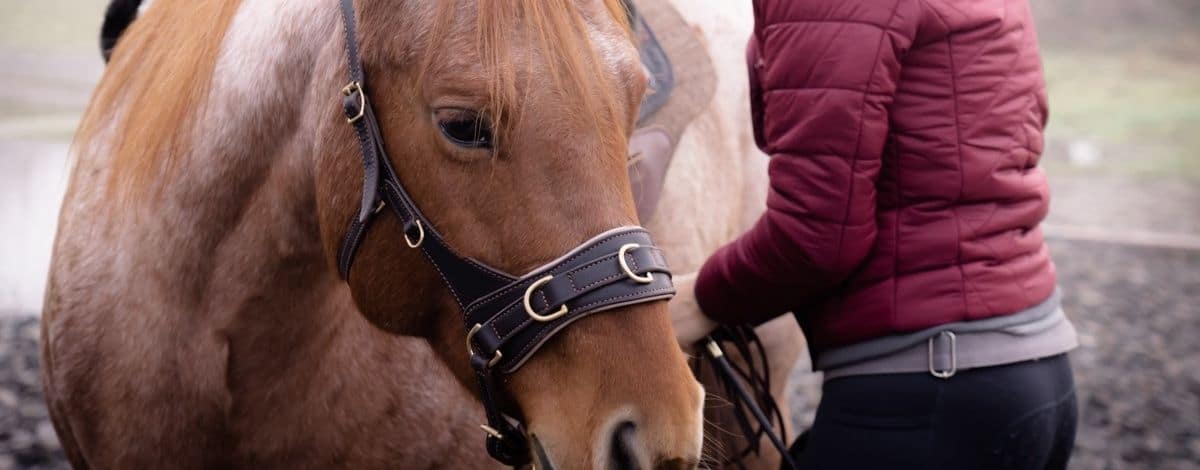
350 89
648 278
471 349
420 236
529 308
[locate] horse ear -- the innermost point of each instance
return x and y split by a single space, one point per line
117 18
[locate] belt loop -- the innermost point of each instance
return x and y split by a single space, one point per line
944 373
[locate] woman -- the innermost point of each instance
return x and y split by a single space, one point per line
902 231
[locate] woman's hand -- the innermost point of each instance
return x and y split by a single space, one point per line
689 322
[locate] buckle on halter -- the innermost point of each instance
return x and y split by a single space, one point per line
529 307
471 347
944 373
646 279
348 91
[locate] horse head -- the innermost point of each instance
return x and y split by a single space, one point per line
507 123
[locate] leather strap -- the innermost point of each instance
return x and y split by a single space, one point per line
507 318
591 281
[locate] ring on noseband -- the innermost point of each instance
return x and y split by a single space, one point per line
471 349
420 236
529 308
352 88
648 278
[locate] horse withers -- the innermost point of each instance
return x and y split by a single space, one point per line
195 317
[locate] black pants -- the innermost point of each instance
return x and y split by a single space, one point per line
1015 416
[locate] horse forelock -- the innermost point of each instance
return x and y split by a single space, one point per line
562 32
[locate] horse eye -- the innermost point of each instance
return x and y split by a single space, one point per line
470 131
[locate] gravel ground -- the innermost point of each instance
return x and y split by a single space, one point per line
27 439
1138 370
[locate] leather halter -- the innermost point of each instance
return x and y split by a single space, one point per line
507 318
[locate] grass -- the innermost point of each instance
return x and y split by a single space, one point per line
1143 110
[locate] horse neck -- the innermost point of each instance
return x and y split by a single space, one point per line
233 227
258 111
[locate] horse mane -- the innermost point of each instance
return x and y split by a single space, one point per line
163 81
557 27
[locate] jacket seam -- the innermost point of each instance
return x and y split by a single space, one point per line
854 158
962 273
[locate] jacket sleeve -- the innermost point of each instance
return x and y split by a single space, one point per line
823 75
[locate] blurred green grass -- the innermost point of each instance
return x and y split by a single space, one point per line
1140 108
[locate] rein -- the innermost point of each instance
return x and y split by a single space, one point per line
506 318
748 390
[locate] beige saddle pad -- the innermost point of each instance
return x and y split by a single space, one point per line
682 86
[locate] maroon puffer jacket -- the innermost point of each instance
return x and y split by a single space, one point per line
905 192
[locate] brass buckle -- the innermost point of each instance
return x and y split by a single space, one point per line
471 349
420 236
648 278
529 308
350 89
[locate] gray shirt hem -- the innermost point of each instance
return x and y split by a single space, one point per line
1029 322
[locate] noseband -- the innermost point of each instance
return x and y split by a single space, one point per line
507 318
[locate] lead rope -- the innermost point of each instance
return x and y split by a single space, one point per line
742 338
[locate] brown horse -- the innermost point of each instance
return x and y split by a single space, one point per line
194 317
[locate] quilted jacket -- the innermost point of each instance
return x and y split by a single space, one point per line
904 189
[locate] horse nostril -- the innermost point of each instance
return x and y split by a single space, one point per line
626 451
